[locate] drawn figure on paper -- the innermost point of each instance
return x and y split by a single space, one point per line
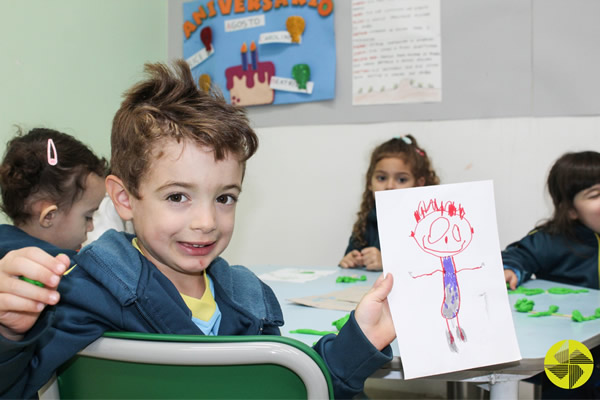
443 231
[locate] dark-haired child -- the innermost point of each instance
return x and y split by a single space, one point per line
51 185
178 160
395 164
566 247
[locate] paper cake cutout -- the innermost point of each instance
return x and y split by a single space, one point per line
248 83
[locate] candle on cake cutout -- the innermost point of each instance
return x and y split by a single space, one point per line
253 55
249 84
244 57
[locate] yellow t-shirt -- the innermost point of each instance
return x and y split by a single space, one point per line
202 308
205 311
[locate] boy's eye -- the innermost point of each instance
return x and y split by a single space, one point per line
380 178
88 218
226 199
402 180
176 197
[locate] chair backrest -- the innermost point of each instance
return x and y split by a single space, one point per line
151 366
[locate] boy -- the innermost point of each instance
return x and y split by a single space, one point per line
178 159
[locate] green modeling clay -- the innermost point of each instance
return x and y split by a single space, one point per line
562 290
312 332
526 291
554 290
551 310
578 317
350 279
524 305
34 282
338 323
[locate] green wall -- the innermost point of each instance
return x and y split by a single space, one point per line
65 63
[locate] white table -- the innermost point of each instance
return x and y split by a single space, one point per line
535 335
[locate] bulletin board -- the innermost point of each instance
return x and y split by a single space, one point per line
262 53
500 58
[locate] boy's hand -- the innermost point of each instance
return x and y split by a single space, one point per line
511 278
371 257
22 302
373 313
352 260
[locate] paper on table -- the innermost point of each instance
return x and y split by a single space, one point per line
449 296
343 300
296 274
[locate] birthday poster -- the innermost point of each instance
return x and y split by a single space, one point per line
262 52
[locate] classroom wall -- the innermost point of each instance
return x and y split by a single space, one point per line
65 63
500 59
303 187
519 88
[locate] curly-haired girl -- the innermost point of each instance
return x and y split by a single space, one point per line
395 164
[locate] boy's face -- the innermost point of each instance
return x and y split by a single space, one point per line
185 214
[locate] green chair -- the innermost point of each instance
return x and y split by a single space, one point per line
154 366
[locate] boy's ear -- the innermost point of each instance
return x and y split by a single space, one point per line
119 196
47 214
421 181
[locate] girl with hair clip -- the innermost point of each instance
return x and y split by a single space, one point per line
565 247
395 164
51 185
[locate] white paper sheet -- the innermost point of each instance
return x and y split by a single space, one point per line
449 302
296 274
396 51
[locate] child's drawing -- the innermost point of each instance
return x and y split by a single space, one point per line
443 231
449 297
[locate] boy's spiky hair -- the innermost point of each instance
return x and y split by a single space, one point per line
447 207
168 105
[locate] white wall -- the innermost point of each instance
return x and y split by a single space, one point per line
303 187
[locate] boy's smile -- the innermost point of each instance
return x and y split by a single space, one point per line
185 215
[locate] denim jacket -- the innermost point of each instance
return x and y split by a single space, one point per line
12 238
115 288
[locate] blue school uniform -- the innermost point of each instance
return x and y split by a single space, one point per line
559 259
12 238
556 258
371 235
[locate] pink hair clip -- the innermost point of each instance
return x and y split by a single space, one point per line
420 152
52 154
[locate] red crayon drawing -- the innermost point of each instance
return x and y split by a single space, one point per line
443 231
